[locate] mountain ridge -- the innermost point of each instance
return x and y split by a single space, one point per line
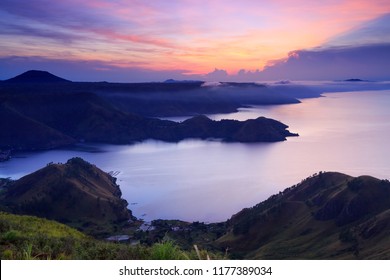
50 119
327 216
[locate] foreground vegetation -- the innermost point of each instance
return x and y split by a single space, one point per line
28 237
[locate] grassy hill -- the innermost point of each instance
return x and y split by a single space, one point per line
328 216
28 237
75 193
31 238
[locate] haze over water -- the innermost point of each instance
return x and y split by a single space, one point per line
209 181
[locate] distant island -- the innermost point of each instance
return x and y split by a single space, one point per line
326 216
355 80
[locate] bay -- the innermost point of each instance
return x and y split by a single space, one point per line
209 181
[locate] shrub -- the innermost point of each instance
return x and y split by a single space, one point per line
167 251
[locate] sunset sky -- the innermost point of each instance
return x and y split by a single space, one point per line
145 40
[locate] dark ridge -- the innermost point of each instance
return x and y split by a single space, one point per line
356 80
172 81
157 99
242 84
36 76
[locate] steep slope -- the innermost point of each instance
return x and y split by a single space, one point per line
82 116
20 132
76 193
328 216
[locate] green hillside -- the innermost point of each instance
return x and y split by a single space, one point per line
328 216
28 237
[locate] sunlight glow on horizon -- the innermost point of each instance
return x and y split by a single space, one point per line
194 37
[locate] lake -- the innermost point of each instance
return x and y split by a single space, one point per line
209 181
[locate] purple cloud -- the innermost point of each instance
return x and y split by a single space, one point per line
70 13
376 31
217 75
61 20
368 62
30 31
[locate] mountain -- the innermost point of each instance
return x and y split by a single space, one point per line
50 119
76 193
327 216
36 76
155 99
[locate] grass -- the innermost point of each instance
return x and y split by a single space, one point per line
28 238
167 251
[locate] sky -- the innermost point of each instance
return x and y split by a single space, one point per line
118 40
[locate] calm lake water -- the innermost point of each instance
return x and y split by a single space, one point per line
209 181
